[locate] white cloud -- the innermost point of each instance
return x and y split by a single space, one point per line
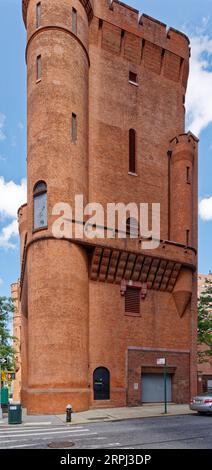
12 196
199 95
7 233
205 208
2 122
201 29
1 281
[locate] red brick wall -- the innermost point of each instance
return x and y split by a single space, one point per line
75 325
111 333
154 108
178 364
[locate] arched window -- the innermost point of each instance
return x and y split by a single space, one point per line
132 227
40 205
101 383
132 151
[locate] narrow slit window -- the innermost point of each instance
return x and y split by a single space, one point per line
38 72
132 228
133 78
188 174
132 151
74 21
100 23
38 14
187 237
74 127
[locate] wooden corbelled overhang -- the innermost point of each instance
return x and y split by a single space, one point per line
113 265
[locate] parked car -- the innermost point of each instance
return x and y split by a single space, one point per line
202 403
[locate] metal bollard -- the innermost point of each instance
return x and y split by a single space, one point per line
68 413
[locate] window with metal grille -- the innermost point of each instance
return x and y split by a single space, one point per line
132 151
38 71
132 301
74 21
74 128
38 14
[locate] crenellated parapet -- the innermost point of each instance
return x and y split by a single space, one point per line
186 138
127 18
141 40
183 147
168 38
119 14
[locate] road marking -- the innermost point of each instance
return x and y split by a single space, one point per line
115 444
85 436
128 448
43 434
18 430
24 445
38 424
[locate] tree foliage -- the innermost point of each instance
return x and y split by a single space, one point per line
205 322
6 348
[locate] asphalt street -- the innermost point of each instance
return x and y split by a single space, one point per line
171 432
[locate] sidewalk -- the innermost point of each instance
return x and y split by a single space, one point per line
116 414
107 414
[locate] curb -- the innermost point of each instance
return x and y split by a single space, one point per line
107 420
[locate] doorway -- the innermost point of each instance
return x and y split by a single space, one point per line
152 388
101 383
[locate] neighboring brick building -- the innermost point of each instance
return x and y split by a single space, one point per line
16 384
202 278
106 119
205 368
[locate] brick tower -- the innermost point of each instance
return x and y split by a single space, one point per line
105 97
57 273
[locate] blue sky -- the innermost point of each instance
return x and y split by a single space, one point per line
195 18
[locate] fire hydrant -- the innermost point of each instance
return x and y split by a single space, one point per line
68 413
